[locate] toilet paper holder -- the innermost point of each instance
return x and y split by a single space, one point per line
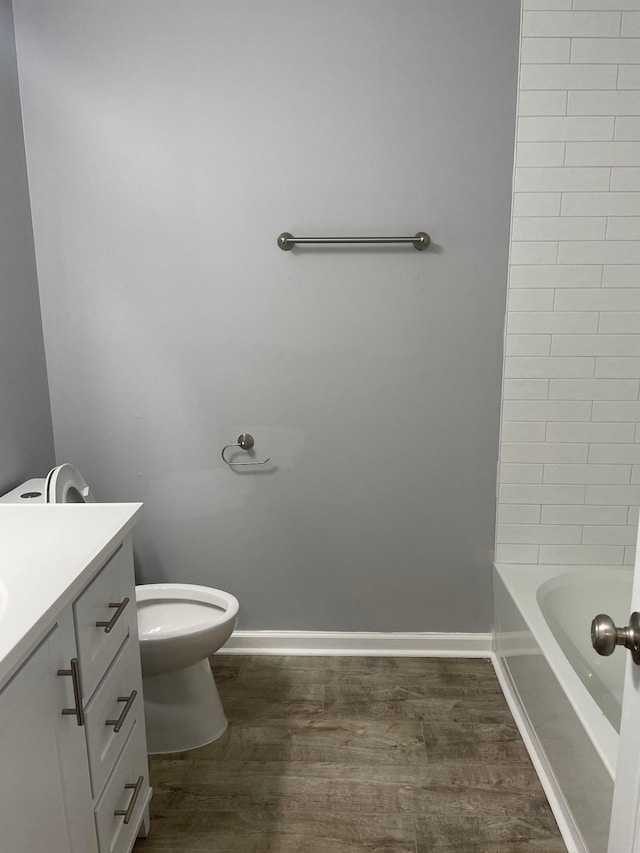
245 442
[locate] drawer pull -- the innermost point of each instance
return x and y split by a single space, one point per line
119 608
117 724
74 672
136 793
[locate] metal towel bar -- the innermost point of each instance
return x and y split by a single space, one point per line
287 241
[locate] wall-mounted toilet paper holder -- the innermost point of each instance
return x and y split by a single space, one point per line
245 442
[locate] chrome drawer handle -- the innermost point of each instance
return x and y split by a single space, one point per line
74 672
136 793
119 608
117 724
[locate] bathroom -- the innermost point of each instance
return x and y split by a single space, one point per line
153 155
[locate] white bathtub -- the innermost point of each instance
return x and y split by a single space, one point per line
565 696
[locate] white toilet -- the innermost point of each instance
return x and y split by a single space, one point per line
62 485
180 626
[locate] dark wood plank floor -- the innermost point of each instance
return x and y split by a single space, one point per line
337 754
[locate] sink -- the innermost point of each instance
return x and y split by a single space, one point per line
3 599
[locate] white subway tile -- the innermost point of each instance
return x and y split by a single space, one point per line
601 204
604 50
546 4
546 368
603 154
613 495
630 25
516 514
620 410
527 345
595 24
559 228
634 516
637 432
562 179
520 473
611 299
525 554
604 5
567 76
526 389
587 474
592 433
623 228
602 103
636 474
540 452
536 204
581 555
544 494
621 276
533 252
543 276
599 252
625 179
596 345
551 322
547 410
545 50
584 514
616 454
604 535
629 555
627 127
617 367
522 432
627 323
593 389
539 154
629 77
540 534
544 103
565 129
530 300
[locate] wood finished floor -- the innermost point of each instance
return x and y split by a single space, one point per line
337 754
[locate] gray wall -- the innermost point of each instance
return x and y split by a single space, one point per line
168 145
26 437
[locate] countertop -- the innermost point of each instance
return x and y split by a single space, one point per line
48 553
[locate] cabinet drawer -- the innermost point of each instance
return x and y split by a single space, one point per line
112 712
102 601
114 835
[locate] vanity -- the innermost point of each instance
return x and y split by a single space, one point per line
73 757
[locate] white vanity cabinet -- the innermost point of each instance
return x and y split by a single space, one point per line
73 760
45 797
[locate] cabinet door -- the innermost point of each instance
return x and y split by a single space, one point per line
43 807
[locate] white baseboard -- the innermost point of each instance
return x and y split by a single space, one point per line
358 643
571 835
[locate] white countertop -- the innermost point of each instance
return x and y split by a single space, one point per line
47 555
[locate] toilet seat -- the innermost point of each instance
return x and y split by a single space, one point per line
65 484
169 611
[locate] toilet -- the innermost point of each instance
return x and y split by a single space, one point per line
179 625
62 485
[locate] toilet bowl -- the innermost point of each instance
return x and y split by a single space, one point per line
180 626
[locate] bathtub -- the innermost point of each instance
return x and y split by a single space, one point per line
565 698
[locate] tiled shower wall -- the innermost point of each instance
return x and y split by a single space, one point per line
569 482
